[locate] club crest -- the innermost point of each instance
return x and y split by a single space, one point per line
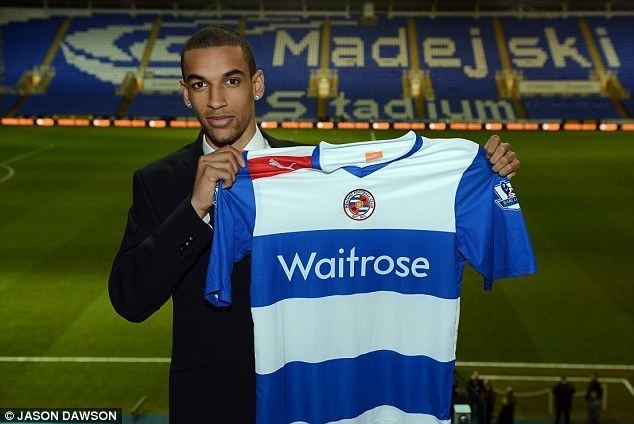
359 204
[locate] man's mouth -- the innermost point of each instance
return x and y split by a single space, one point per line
219 121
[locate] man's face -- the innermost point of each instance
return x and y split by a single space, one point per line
221 93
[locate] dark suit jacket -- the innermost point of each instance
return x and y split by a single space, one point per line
164 253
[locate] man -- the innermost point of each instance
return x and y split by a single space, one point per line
488 397
594 407
165 248
594 386
563 393
507 408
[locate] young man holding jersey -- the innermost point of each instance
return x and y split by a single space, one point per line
166 244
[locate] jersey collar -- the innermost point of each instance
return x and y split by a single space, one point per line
370 146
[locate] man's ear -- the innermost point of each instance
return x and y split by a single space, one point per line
257 81
188 103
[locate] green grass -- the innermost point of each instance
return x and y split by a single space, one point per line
63 213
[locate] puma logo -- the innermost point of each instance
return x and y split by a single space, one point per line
276 164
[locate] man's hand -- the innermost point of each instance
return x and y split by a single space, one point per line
222 164
501 156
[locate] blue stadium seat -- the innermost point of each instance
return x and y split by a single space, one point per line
461 82
373 88
629 105
164 67
457 75
25 44
286 73
93 60
158 106
614 40
569 108
7 102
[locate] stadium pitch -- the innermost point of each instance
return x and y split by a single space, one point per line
64 194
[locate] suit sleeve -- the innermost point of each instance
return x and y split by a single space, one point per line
490 229
154 255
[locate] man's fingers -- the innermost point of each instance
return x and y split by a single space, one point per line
500 151
509 170
224 171
505 160
500 155
220 165
491 144
216 159
238 156
233 151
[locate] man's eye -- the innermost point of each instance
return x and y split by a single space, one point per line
198 84
233 81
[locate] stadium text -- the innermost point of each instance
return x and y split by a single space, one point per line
336 267
440 52
289 105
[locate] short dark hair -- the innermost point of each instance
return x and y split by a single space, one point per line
219 36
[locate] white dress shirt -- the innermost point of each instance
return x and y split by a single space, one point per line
258 142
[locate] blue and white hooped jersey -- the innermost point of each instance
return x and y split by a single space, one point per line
357 254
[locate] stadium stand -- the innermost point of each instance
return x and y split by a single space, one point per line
629 104
286 50
547 49
462 57
370 61
25 45
160 95
591 107
554 50
95 56
372 66
613 38
22 53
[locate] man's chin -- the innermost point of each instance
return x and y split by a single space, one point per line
221 139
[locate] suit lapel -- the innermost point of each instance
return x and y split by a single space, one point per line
189 161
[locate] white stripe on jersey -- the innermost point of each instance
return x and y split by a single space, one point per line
352 325
390 414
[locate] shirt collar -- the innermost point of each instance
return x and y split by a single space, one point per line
258 142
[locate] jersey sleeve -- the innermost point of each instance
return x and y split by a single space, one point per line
234 217
490 229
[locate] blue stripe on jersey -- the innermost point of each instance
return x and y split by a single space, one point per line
235 244
345 388
320 263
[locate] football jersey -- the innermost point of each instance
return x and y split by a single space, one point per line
357 254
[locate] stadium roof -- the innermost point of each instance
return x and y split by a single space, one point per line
505 6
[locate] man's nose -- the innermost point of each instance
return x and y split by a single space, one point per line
216 98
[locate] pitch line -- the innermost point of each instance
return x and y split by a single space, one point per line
11 170
82 359
545 366
28 154
624 381
458 363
